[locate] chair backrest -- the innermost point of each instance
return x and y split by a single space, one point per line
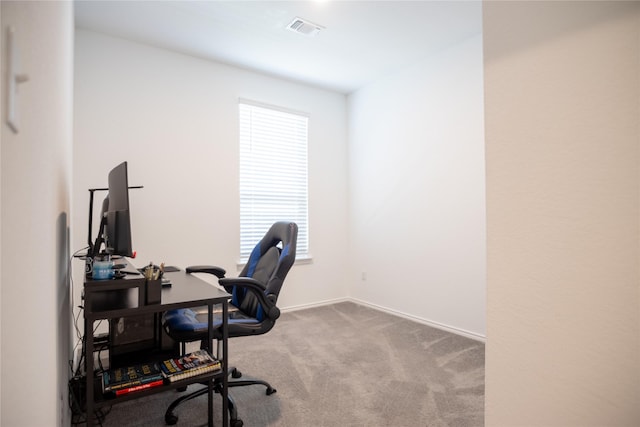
269 264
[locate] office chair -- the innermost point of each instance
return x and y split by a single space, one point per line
252 310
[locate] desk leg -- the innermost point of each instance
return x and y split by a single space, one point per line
225 364
210 382
88 361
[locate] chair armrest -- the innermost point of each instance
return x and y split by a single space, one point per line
256 288
245 282
219 272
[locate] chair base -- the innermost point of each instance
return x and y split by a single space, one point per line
170 418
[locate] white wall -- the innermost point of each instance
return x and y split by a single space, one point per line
174 118
562 91
416 159
36 184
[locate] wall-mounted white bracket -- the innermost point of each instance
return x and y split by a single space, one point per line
14 77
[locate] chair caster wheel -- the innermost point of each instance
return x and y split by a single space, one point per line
270 391
236 374
237 423
170 419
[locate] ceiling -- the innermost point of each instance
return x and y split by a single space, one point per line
361 40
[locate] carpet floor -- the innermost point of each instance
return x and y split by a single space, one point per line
341 365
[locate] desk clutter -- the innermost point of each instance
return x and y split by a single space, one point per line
104 268
120 381
154 272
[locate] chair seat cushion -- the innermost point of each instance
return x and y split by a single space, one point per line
186 320
192 324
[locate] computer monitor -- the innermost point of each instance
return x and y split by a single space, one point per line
118 221
115 223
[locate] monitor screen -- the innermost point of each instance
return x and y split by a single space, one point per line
118 222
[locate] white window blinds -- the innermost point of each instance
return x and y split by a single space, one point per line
273 174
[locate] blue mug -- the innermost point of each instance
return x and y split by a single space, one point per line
103 270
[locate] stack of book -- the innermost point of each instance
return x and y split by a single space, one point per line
196 363
133 378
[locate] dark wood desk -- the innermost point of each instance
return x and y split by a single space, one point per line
111 299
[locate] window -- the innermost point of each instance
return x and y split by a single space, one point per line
273 174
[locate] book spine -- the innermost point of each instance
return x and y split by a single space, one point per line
195 372
169 367
132 383
139 387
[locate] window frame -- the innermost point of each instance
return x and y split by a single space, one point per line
293 186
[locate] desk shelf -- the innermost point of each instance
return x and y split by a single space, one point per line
105 296
101 399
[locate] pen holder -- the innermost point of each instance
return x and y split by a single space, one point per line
153 289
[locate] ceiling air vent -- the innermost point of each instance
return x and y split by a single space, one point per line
304 27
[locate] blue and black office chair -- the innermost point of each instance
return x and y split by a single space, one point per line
252 311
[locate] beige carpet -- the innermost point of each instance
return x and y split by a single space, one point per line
341 365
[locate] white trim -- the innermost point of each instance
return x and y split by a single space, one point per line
314 304
427 322
451 329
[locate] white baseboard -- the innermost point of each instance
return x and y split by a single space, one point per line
314 304
457 331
